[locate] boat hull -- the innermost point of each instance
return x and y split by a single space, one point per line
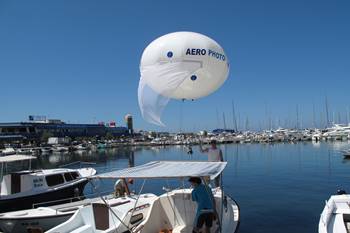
52 197
21 224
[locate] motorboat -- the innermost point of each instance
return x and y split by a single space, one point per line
46 150
31 188
338 132
346 153
173 211
108 215
7 151
80 147
335 217
60 149
25 151
42 217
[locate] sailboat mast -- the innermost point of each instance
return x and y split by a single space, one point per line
224 119
327 112
234 119
313 116
297 115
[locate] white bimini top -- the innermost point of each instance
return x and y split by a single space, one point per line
168 169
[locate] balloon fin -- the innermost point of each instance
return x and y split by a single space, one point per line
166 77
151 103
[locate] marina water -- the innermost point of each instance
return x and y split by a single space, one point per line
279 187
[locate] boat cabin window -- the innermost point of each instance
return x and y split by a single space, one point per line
71 176
53 180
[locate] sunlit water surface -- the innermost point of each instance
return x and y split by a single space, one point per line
279 187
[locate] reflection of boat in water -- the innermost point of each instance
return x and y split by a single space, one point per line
54 158
147 213
42 217
60 149
335 217
346 153
101 146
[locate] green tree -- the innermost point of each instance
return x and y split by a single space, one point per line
45 136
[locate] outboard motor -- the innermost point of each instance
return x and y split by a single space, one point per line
341 192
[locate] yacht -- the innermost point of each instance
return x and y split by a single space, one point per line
335 217
174 211
338 132
60 149
42 218
7 151
30 188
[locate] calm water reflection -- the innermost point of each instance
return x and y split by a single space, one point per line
279 187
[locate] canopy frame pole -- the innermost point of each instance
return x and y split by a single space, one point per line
1 174
222 202
137 199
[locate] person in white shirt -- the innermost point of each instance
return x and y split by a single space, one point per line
214 155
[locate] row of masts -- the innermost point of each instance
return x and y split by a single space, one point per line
325 119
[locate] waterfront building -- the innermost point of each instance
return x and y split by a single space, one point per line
34 130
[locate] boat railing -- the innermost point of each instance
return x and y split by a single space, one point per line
77 162
71 199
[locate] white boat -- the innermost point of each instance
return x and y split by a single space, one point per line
335 217
60 149
25 151
42 217
7 151
80 147
147 213
25 189
338 132
346 153
46 150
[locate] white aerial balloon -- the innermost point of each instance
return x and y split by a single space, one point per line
179 65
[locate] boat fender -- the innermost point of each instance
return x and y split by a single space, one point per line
341 192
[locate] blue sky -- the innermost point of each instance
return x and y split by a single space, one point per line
79 60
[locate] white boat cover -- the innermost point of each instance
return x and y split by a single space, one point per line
13 158
168 169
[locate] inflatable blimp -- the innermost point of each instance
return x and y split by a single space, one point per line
179 65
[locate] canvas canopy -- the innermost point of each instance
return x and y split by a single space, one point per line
169 169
